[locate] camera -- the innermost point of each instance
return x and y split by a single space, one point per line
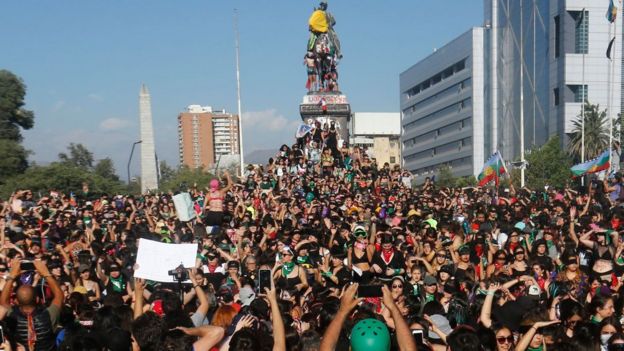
179 274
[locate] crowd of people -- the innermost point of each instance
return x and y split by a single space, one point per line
358 258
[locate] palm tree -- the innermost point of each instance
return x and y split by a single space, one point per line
596 133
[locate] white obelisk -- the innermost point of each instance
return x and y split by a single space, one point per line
149 177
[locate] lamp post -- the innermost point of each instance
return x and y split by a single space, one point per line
130 158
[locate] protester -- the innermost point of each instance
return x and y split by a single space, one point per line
319 249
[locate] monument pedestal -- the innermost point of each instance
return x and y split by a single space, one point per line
326 107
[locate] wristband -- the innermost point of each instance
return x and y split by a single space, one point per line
490 293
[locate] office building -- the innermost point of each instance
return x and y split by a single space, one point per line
379 133
540 60
205 136
564 44
442 109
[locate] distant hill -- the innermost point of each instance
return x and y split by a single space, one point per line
260 156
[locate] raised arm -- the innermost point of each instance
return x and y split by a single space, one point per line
279 332
404 337
486 309
8 287
348 301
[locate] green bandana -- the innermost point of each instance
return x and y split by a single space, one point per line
540 348
287 268
302 259
118 284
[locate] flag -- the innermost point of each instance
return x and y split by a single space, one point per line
303 130
612 11
592 166
493 168
610 47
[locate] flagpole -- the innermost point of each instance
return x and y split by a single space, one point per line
583 104
522 94
612 27
238 96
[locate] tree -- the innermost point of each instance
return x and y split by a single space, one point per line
78 156
548 165
63 177
185 178
466 181
13 160
166 172
106 169
445 177
13 116
596 133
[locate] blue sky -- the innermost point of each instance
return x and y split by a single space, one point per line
84 61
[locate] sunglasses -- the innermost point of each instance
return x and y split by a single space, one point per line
505 339
501 258
396 286
441 255
520 253
616 347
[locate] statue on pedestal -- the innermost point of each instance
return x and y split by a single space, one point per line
323 51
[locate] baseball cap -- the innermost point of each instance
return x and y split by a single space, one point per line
430 280
442 323
83 268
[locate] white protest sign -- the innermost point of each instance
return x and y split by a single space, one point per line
156 259
184 207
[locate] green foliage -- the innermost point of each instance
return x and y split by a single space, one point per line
78 155
184 178
548 165
596 133
445 177
13 116
166 172
13 159
466 181
61 177
106 169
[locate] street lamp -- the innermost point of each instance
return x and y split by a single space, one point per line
130 158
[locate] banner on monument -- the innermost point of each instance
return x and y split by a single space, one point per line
329 99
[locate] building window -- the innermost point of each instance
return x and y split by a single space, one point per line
392 159
581 36
556 96
557 33
579 91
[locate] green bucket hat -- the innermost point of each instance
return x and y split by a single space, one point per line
370 335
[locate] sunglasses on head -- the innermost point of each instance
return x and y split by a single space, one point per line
503 339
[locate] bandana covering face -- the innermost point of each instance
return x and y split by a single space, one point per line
387 254
287 268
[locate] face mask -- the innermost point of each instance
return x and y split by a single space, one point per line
604 338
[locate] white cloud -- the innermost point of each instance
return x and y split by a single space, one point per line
58 105
95 97
267 129
269 120
111 124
